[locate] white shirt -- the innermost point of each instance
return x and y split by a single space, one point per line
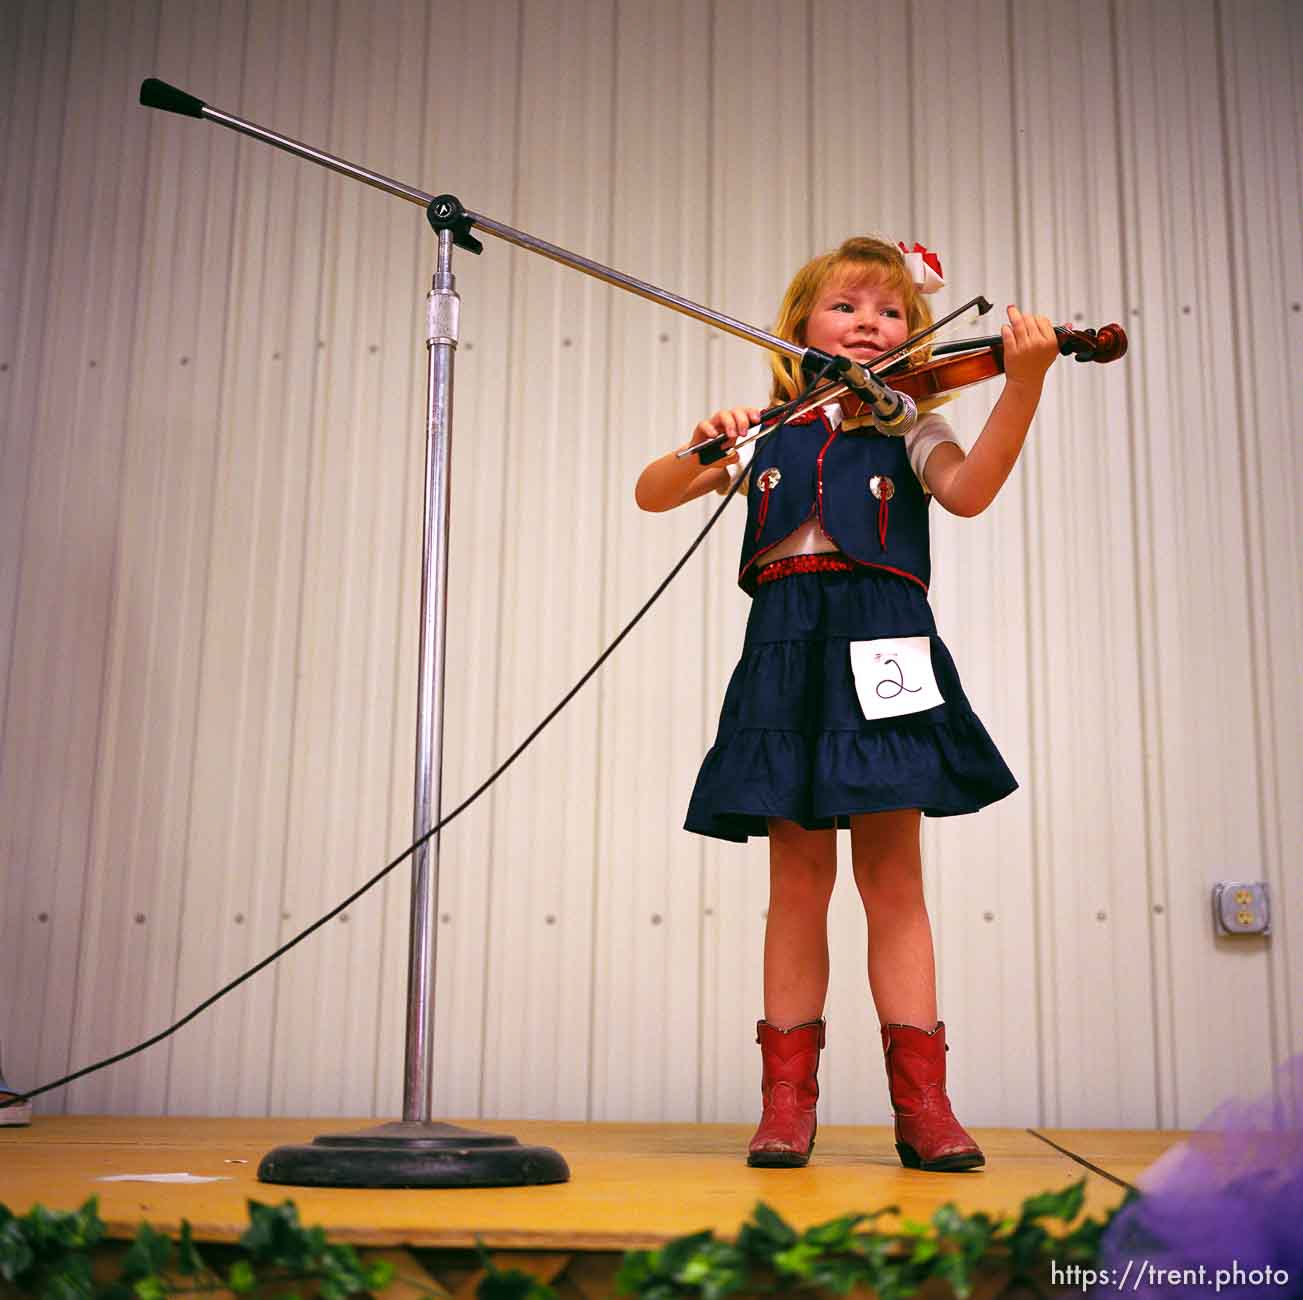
930 431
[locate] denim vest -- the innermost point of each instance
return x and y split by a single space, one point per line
859 485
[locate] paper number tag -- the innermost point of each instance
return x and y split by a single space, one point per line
893 676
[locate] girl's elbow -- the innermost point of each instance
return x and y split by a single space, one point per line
646 500
966 505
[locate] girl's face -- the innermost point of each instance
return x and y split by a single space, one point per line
857 318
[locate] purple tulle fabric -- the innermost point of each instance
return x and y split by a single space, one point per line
1221 1214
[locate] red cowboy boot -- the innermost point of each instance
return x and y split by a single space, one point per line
928 1136
789 1089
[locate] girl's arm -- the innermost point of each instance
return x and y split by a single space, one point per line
668 482
966 485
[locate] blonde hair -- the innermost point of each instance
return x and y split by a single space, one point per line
859 259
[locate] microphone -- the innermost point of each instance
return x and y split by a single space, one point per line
893 413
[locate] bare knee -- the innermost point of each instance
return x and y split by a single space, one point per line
889 883
887 859
802 865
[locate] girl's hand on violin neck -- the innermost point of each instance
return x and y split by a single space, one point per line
1030 348
732 423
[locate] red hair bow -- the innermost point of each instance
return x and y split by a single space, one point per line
924 267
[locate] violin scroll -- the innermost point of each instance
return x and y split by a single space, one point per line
1107 343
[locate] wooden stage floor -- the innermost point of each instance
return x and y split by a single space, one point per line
632 1185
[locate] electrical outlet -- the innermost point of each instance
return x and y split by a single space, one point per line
1241 907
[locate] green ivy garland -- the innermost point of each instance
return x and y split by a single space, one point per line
49 1254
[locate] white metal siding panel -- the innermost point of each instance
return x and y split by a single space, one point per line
34 73
65 594
142 801
1204 783
1095 1025
649 919
360 445
244 783
1262 65
538 999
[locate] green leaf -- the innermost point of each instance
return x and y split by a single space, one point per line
947 1220
16 1253
341 1265
511 1284
88 1227
379 1275
275 1235
508 1284
149 1288
634 1272
924 1249
955 1270
696 1271
71 1282
797 1260
188 1259
1065 1205
677 1255
240 1277
148 1254
773 1225
836 1234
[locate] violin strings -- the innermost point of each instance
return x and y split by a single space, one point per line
917 340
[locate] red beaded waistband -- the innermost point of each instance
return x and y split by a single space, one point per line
820 562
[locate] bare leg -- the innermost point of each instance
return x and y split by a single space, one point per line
889 876
902 976
802 870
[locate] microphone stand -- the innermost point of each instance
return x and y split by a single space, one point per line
416 1152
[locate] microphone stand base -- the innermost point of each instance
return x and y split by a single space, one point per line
409 1154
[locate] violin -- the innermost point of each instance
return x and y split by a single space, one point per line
952 366
960 364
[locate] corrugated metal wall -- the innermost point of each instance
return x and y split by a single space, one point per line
211 380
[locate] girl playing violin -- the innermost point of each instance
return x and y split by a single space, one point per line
845 709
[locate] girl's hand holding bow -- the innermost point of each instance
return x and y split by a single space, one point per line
668 481
731 423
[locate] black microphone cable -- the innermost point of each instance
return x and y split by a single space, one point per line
21 1098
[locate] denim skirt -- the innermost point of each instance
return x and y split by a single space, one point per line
794 740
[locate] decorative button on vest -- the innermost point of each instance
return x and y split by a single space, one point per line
884 489
767 481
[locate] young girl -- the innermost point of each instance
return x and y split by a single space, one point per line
845 709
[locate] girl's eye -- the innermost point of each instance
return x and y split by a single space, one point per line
893 311
842 306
